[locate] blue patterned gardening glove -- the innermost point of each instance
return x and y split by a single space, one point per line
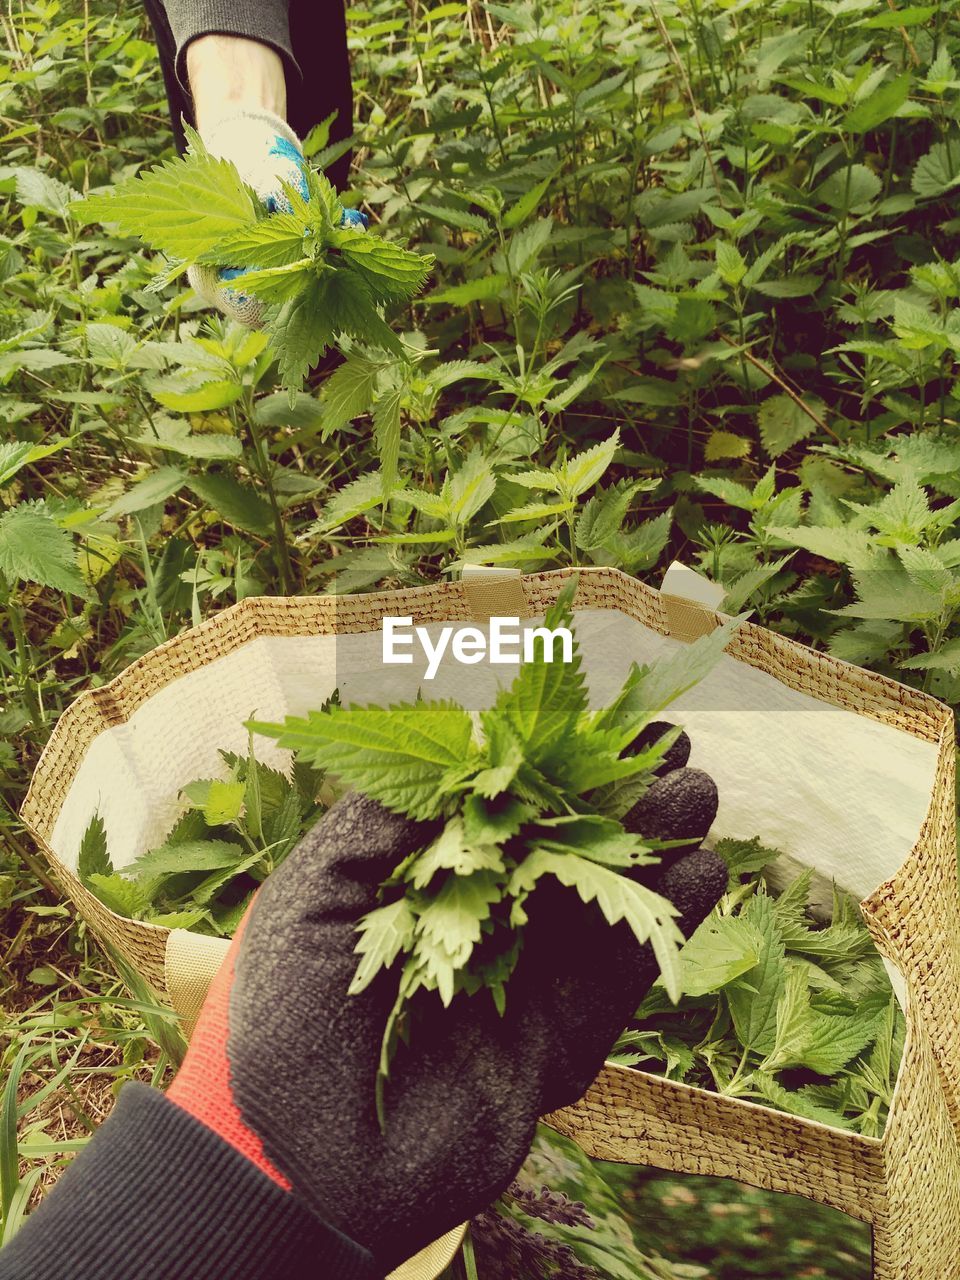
267 154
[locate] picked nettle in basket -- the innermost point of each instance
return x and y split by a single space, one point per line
848 773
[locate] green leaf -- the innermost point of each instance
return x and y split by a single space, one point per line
725 444
175 436
754 999
187 855
16 454
506 757
108 345
879 106
390 272
386 428
730 263
276 285
93 858
155 487
183 207
398 755
301 331
794 1102
748 584
490 822
40 190
659 685
348 392
849 189
693 320
822 1042
793 1021
192 394
601 518
783 423
937 172
480 289
721 950
911 15
842 544
238 504
536 511
354 499
471 487
452 217
451 925
384 934
546 699
122 896
595 837
221 802
527 244
743 857
527 204
583 470
187 919
945 658
33 548
453 851
276 241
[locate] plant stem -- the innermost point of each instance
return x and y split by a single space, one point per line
265 469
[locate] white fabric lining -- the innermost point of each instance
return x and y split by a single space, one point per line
834 790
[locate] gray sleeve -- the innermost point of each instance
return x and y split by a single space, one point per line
263 20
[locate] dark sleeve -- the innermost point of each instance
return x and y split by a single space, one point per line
157 1193
265 20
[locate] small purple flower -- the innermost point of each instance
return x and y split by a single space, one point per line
508 1250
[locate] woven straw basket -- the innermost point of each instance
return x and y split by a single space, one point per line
846 771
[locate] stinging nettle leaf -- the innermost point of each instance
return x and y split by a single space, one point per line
401 758
93 858
183 207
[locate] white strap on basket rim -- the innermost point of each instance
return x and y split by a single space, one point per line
691 602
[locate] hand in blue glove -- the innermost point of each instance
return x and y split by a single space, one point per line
267 154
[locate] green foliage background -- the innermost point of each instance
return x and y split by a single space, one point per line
696 294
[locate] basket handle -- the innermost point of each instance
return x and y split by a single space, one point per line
190 964
494 591
690 602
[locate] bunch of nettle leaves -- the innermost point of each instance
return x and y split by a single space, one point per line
316 279
534 787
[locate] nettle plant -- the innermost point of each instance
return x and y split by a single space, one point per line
317 278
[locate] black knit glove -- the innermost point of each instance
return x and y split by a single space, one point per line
464 1096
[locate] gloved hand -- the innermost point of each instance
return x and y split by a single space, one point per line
283 1062
267 154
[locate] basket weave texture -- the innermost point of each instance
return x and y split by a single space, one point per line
905 1183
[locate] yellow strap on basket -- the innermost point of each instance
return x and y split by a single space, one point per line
690 602
435 1258
190 964
494 592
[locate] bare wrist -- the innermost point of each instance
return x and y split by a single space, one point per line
231 73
